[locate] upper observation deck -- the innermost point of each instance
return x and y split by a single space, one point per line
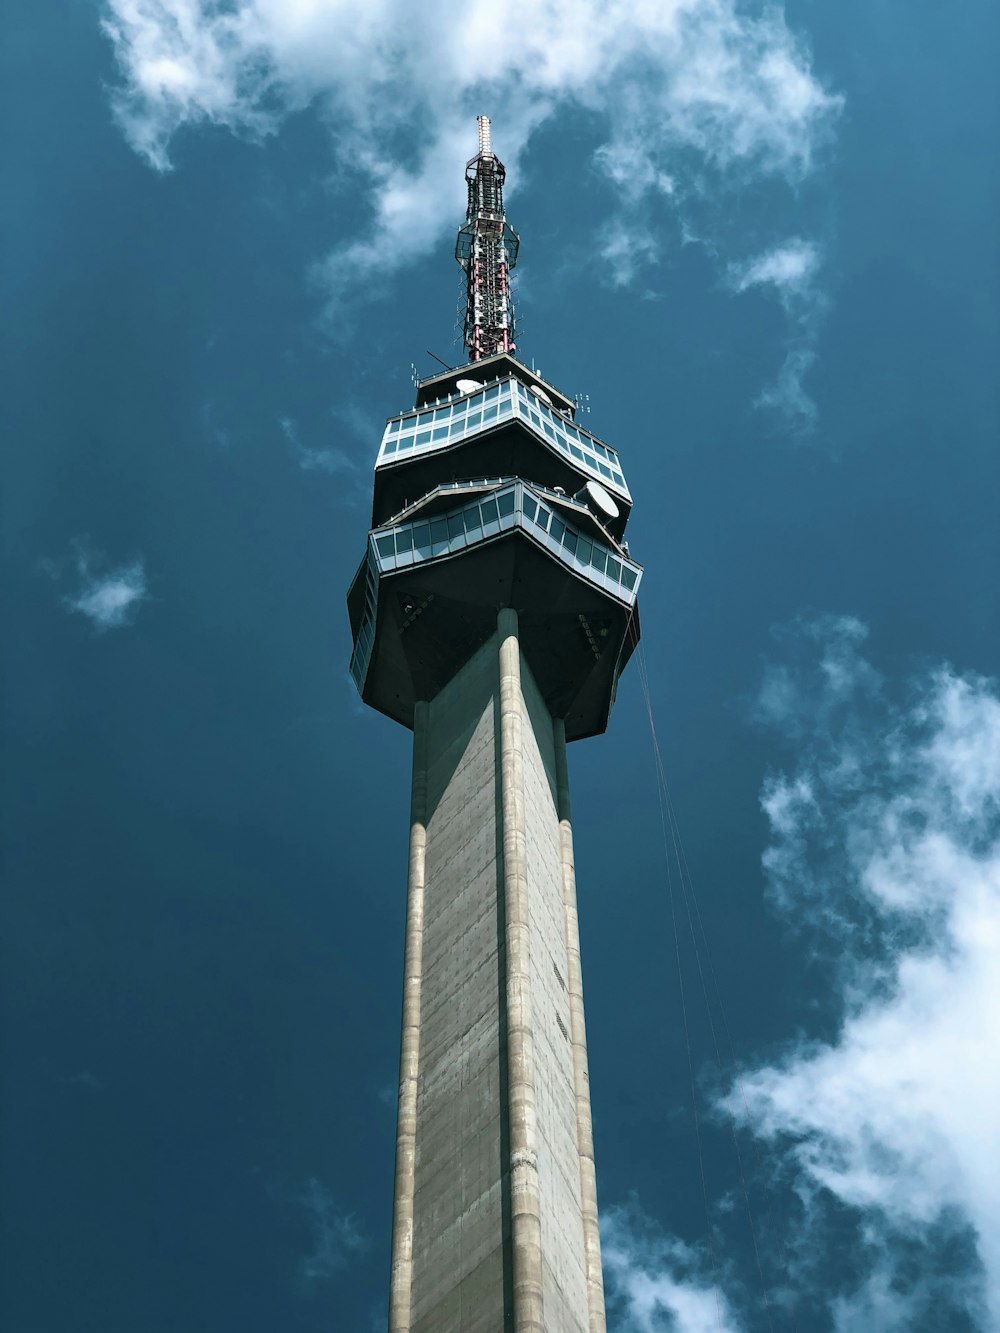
501 427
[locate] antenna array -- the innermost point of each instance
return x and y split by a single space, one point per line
487 248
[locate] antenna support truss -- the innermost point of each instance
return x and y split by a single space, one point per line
487 248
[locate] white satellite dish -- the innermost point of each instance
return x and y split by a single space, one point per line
540 393
595 497
467 386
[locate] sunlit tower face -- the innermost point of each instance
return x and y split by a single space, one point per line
493 613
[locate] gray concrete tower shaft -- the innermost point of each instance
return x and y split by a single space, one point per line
495 1214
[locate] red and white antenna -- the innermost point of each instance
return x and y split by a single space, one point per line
487 250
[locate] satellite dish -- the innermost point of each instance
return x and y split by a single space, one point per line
540 393
595 497
467 386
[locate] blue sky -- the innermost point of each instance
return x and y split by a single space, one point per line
763 241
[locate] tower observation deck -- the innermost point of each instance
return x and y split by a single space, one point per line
493 613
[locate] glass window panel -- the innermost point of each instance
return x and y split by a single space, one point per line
440 433
505 502
472 524
492 393
605 470
547 428
576 452
393 427
422 538
569 541
489 508
558 528
491 413
629 578
439 530
614 569
530 507
456 527
584 547
385 545
404 539
618 477
599 558
423 437
390 446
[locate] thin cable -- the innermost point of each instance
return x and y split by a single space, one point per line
737 1074
669 818
683 998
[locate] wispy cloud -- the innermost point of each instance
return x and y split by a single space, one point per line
107 596
327 458
790 271
336 1236
694 96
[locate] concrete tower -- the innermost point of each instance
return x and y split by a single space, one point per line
493 613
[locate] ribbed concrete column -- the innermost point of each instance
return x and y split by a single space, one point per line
525 1201
401 1279
578 1036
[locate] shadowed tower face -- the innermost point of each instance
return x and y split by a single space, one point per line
493 614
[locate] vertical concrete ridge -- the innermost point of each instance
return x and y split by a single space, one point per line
401 1278
526 1240
578 1037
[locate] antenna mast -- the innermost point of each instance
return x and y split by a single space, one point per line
487 250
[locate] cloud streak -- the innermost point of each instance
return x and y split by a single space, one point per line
110 599
329 459
790 273
336 1237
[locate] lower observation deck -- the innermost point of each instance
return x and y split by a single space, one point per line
426 597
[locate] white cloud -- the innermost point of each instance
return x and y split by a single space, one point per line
626 250
655 1282
886 848
108 599
790 271
692 94
882 1170
790 268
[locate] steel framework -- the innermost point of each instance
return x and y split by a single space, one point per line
487 248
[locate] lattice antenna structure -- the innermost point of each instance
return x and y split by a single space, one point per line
487 248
